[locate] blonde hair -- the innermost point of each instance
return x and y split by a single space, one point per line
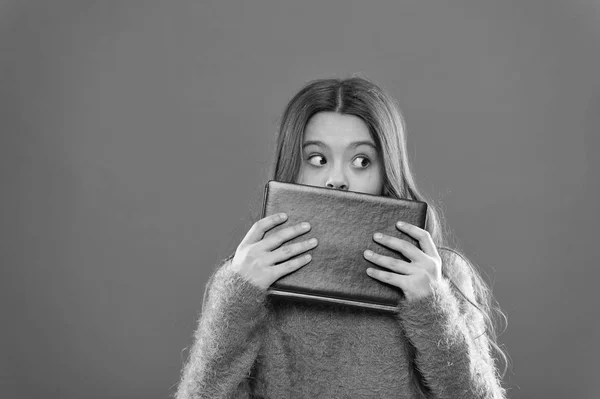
380 111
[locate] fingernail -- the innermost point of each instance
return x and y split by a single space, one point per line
378 236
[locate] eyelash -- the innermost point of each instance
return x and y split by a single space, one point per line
359 156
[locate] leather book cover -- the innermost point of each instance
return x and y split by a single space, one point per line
344 223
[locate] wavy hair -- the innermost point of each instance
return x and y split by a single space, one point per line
381 112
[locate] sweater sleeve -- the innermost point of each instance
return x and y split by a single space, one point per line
448 333
227 339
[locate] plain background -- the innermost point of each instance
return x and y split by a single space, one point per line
136 137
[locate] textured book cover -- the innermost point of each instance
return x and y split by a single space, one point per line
344 223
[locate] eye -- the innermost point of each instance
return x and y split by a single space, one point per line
318 163
364 162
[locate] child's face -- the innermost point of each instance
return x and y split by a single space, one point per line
336 161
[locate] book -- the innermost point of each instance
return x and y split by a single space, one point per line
344 223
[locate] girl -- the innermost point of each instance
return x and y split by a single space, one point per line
347 135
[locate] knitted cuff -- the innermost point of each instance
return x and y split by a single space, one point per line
237 296
433 316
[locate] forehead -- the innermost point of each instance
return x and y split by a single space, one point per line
336 127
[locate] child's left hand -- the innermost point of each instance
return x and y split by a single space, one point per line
415 277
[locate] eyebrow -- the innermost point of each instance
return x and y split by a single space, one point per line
353 144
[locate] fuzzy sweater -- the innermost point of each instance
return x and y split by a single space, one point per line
249 345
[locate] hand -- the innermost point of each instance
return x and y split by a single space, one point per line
415 277
255 258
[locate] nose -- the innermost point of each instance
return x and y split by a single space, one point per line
337 182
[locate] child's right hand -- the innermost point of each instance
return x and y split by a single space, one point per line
255 258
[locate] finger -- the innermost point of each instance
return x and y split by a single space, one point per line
290 266
393 264
287 251
404 247
425 240
275 240
258 229
395 279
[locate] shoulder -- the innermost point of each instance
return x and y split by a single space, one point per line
454 264
458 269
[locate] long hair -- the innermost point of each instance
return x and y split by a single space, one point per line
381 113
